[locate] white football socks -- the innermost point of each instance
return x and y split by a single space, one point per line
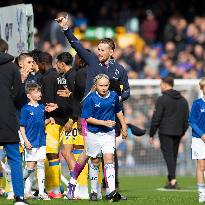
110 176
93 175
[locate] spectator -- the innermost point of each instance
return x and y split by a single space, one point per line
180 37
153 61
149 27
132 24
170 29
53 33
80 21
178 34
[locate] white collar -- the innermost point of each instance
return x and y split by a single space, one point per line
203 99
108 95
33 105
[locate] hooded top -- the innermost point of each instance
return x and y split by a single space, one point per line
170 114
173 94
5 58
10 84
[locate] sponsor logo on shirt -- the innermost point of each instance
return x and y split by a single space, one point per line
202 109
97 105
61 81
117 72
196 154
31 113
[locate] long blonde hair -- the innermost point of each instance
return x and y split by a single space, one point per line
93 89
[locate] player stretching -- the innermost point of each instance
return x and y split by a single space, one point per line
197 123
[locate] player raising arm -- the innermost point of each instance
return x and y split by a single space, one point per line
103 62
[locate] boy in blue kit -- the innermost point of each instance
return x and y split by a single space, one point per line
99 110
32 127
197 123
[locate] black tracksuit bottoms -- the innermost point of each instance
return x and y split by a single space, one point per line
169 148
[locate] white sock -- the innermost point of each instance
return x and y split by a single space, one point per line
107 191
93 175
56 190
110 176
34 184
73 181
29 182
99 191
41 176
8 177
83 192
201 188
11 187
26 172
76 192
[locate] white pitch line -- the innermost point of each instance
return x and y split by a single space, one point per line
176 190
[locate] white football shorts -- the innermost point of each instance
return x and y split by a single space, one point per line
197 148
35 154
99 143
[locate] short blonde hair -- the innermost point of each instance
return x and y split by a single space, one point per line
202 82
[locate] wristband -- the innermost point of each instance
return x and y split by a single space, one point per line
65 28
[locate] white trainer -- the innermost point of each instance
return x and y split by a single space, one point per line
21 203
19 200
44 197
28 196
10 196
201 197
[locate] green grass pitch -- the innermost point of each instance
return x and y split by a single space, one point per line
140 191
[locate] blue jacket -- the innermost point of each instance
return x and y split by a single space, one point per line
115 71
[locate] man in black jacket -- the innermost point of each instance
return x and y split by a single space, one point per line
67 80
56 107
10 84
171 118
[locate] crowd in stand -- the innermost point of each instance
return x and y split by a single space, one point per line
174 35
180 54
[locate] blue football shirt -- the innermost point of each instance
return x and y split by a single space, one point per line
101 108
197 118
33 119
